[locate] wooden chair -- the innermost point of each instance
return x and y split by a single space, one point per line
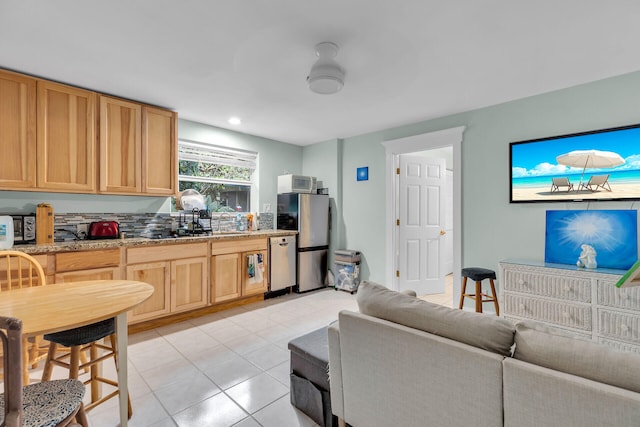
556 183
77 341
595 182
20 270
53 403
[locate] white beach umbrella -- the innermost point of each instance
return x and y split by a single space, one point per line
590 159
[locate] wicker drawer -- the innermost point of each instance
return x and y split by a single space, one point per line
552 286
609 295
618 325
623 346
560 313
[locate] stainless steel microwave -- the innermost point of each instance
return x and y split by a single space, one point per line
24 228
296 184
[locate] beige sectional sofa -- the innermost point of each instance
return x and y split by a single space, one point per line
404 362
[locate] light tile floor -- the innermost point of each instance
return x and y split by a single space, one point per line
225 369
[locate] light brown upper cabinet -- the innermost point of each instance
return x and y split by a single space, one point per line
138 148
17 131
48 141
120 146
66 138
159 151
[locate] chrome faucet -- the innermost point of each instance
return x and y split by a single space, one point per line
228 215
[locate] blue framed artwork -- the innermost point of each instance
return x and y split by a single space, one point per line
362 174
612 233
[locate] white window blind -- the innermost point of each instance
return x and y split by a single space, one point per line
205 153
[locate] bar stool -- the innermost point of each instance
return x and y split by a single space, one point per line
79 340
478 274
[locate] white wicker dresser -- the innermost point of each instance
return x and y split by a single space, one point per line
585 302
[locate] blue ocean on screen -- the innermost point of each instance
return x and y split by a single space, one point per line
622 177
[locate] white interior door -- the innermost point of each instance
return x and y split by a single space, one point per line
421 215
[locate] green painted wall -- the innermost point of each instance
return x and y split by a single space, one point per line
493 229
324 161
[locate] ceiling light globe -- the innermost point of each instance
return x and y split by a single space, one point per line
326 76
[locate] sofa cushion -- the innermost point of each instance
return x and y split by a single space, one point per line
479 330
555 349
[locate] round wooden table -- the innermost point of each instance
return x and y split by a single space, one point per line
59 307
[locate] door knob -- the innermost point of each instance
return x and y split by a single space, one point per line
442 232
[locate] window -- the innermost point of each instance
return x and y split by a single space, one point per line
223 175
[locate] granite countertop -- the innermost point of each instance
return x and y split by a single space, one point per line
82 245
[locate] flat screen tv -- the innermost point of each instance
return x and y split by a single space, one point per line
597 165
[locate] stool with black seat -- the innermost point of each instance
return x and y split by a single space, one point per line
78 340
478 274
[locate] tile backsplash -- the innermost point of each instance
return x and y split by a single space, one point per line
142 225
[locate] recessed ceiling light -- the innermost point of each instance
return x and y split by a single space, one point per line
235 121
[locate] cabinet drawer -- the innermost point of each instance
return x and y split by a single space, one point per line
552 286
71 261
560 313
243 245
623 346
609 295
618 325
168 252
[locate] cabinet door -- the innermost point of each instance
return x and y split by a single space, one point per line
158 275
17 131
225 277
159 151
188 284
254 285
66 138
120 146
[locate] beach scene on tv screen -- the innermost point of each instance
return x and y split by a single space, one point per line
593 166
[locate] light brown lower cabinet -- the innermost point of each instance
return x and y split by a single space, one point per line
259 283
178 274
88 265
229 269
158 275
188 284
184 276
225 277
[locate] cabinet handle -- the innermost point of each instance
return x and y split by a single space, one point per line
566 315
521 282
624 328
522 307
568 288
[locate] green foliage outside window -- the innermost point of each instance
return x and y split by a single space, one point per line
226 188
209 170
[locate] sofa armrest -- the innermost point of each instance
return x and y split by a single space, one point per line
335 370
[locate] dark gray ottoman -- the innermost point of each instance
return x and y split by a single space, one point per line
310 377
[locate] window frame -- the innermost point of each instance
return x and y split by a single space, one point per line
243 158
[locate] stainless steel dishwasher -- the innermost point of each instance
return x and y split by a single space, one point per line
282 262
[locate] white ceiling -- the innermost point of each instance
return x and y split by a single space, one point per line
405 60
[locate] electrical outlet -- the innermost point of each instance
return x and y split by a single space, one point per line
82 228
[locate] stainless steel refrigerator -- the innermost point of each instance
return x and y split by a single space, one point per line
308 214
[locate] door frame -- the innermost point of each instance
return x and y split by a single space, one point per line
426 141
